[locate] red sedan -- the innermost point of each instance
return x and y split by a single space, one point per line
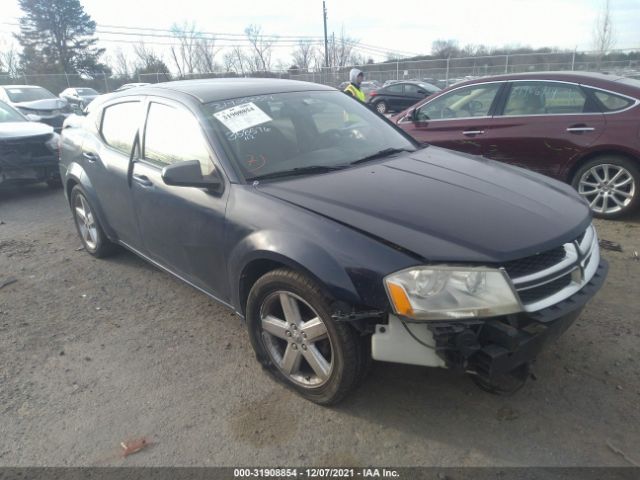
581 128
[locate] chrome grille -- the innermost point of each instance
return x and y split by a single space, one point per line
550 277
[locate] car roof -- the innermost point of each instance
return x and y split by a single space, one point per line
216 89
560 75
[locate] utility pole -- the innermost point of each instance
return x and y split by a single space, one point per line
326 47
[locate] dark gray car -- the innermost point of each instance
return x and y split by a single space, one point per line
336 236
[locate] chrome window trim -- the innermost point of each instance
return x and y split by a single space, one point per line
635 100
453 90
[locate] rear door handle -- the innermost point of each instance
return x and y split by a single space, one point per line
472 132
580 128
142 180
90 156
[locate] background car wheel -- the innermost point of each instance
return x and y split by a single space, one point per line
295 338
381 107
93 238
609 184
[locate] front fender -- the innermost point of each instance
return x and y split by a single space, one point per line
297 253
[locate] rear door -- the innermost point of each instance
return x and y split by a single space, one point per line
106 157
459 119
182 227
393 96
542 125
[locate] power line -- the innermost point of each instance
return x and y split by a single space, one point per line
236 37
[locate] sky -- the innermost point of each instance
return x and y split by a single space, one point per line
403 25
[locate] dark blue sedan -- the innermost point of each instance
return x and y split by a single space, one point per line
334 235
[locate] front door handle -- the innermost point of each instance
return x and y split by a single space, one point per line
580 128
470 133
142 180
91 157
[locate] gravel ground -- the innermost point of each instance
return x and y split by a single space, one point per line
94 352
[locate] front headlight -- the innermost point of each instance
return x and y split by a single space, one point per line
446 293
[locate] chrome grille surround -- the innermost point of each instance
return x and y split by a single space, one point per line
580 263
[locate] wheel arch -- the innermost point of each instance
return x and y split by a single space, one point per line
612 150
75 176
263 252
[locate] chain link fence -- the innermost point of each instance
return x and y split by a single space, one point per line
442 72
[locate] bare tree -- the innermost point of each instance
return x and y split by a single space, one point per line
10 60
236 60
603 38
121 63
342 50
206 55
303 55
261 47
445 48
185 52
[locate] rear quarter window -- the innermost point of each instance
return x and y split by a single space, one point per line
611 102
119 125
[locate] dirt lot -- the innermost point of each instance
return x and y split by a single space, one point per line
93 352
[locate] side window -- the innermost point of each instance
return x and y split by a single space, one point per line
471 101
173 135
119 125
395 89
539 98
612 102
412 90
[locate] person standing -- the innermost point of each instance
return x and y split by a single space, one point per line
355 77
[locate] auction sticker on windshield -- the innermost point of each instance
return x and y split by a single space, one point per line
242 117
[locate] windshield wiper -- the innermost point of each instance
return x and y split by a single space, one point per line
380 154
309 170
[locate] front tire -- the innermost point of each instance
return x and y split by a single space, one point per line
295 338
381 107
91 233
609 183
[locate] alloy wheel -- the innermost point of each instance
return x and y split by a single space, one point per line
607 188
296 339
381 107
86 222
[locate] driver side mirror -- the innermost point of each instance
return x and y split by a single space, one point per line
189 174
422 92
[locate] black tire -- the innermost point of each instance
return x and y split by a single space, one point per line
381 107
100 247
585 173
348 353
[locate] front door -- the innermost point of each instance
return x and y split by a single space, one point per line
459 119
182 227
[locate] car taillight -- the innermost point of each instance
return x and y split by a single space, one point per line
373 93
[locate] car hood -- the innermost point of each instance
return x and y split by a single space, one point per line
45 104
444 206
18 130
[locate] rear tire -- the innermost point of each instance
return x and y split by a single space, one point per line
295 338
610 184
91 233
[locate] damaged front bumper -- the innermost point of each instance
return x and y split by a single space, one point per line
488 348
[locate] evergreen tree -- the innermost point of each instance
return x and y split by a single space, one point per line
57 36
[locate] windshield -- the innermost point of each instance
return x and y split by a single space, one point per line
309 132
8 114
30 94
86 91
